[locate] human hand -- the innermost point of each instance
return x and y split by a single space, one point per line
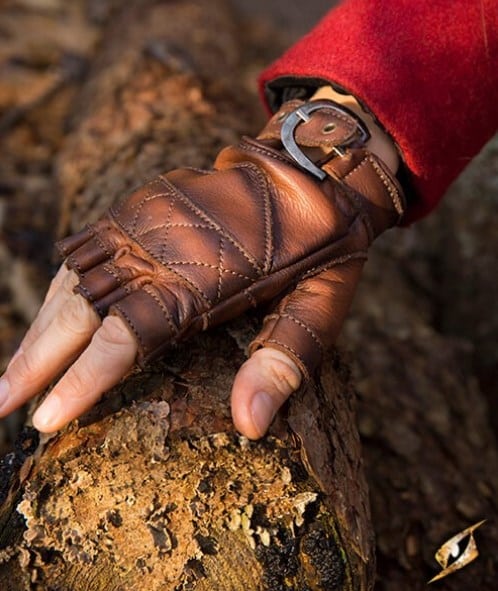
193 249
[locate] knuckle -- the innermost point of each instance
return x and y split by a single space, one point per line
113 333
76 385
31 336
24 369
70 281
283 377
280 371
77 316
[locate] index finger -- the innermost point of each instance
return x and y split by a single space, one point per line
110 355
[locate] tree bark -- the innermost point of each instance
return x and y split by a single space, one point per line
153 488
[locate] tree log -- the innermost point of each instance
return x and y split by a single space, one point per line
153 488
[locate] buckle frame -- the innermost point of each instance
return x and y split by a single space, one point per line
302 115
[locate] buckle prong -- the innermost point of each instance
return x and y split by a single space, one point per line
302 115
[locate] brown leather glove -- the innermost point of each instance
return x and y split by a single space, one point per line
194 248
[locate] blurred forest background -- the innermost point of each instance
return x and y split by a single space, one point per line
430 290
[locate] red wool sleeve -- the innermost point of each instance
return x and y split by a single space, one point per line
427 70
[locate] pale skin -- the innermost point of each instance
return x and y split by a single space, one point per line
67 335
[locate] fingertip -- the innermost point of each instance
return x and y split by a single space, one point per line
47 417
262 385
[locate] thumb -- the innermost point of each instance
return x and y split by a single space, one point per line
292 341
262 385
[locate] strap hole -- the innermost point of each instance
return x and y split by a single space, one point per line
329 128
282 116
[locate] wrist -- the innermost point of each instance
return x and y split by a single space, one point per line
380 143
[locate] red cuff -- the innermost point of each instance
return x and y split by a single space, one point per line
427 70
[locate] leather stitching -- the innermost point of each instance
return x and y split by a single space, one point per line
265 190
204 216
383 177
194 288
313 272
166 226
113 273
352 196
214 267
389 186
149 196
220 271
268 228
99 241
80 287
174 329
73 263
304 326
107 269
362 162
182 225
261 150
117 306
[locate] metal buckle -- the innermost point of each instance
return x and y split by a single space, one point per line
302 115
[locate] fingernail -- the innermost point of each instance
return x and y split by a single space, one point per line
262 410
4 391
45 416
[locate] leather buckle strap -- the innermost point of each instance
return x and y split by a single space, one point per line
303 114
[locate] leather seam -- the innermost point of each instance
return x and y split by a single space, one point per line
352 195
149 196
250 147
215 226
266 189
314 271
117 306
73 263
192 286
220 271
86 293
185 225
115 274
99 242
214 267
389 186
166 226
174 329
301 324
355 168
393 193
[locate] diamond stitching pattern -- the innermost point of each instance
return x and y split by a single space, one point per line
196 219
